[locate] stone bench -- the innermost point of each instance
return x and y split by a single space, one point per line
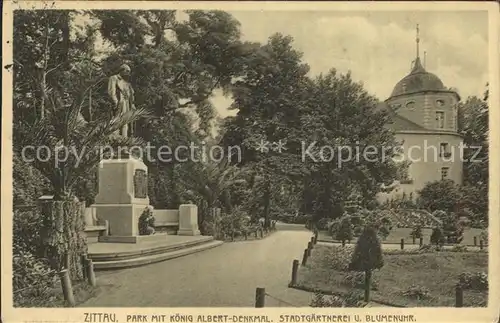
94 228
166 221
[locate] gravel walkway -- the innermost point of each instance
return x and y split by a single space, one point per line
226 276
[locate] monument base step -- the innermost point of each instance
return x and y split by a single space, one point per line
106 256
133 239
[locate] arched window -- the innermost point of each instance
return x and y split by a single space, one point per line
410 105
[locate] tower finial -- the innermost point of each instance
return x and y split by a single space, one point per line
418 41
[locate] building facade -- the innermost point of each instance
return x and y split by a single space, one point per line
425 120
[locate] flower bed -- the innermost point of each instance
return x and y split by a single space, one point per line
407 279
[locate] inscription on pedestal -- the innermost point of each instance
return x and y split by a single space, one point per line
140 184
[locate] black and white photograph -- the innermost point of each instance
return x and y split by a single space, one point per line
167 156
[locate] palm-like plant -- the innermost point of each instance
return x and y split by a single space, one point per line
211 182
69 148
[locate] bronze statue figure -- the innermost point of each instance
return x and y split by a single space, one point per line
122 94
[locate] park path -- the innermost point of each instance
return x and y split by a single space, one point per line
225 276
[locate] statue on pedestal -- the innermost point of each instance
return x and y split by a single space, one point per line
122 94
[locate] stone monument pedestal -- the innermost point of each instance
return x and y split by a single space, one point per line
122 195
188 220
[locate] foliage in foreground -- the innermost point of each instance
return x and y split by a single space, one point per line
350 300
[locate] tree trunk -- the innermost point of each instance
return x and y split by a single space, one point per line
368 284
267 203
63 236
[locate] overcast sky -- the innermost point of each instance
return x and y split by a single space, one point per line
378 47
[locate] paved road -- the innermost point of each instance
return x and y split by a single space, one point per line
225 276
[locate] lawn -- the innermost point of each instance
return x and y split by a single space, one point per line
435 271
404 233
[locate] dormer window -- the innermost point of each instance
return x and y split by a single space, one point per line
410 105
439 103
440 119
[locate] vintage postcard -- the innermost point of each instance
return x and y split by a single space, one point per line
250 162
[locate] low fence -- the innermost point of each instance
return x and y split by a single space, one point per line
261 295
256 232
260 292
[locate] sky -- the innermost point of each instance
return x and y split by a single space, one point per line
378 47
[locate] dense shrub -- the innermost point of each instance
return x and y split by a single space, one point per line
412 251
28 183
458 248
146 221
341 258
437 236
344 233
380 221
26 231
417 292
439 195
32 278
358 223
350 300
484 237
356 279
367 254
416 232
452 229
237 222
333 227
474 281
300 219
322 224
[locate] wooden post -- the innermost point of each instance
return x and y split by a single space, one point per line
402 243
262 233
413 238
232 235
256 233
309 249
246 235
459 296
481 244
295 270
312 242
90 273
260 297
83 260
368 283
421 242
343 243
475 241
304 258
315 236
67 288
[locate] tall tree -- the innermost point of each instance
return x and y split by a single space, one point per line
473 125
349 147
267 126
